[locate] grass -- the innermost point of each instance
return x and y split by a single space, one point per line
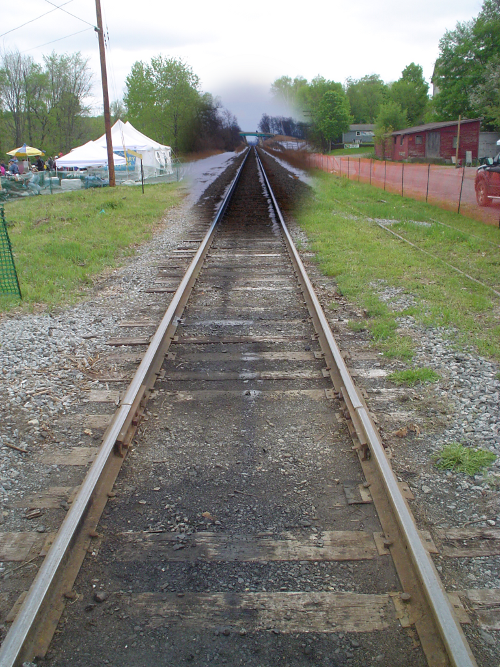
413 376
362 151
367 261
458 458
62 242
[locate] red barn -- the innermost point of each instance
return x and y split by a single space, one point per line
436 140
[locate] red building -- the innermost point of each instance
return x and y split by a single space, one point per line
434 140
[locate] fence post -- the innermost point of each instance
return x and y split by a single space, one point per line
402 180
461 186
385 172
359 167
347 167
371 170
428 176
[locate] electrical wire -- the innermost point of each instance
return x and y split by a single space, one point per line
38 17
69 13
57 40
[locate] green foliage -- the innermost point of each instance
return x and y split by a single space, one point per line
285 90
411 93
163 99
365 260
413 376
366 95
392 116
455 456
466 71
332 116
62 242
44 106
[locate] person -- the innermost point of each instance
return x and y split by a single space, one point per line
40 164
2 169
13 168
50 164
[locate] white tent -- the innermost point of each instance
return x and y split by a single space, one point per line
90 154
156 158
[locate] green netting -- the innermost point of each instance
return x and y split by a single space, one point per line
9 283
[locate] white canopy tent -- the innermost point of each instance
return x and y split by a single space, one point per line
156 158
90 154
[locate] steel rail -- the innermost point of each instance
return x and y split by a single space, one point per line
456 645
18 643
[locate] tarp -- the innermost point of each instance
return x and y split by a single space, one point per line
90 154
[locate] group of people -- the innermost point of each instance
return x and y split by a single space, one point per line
16 168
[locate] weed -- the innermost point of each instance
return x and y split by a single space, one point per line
357 325
397 347
455 456
413 376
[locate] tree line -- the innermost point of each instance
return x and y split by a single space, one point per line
47 105
466 82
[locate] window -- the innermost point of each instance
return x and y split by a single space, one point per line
418 140
358 134
454 142
401 139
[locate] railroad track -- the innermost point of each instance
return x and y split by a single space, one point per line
241 508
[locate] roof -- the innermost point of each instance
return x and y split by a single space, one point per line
370 127
88 155
435 126
125 136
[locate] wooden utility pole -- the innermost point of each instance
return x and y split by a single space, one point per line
105 96
458 140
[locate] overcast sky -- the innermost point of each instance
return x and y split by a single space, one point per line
237 48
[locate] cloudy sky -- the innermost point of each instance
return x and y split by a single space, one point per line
238 49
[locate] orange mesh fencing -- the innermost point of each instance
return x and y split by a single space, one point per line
444 186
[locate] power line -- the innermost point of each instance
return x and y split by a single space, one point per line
70 14
38 17
56 40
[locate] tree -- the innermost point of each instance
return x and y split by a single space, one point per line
288 127
391 117
12 91
465 70
163 99
333 115
44 105
365 96
410 91
486 95
285 90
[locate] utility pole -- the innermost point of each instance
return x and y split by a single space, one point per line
105 96
458 142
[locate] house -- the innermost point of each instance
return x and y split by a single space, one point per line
359 134
488 146
435 140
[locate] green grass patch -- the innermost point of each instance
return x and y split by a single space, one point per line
362 151
469 460
62 242
413 376
375 270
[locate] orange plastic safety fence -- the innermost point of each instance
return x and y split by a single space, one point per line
444 186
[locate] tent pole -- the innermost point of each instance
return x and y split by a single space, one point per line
142 176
